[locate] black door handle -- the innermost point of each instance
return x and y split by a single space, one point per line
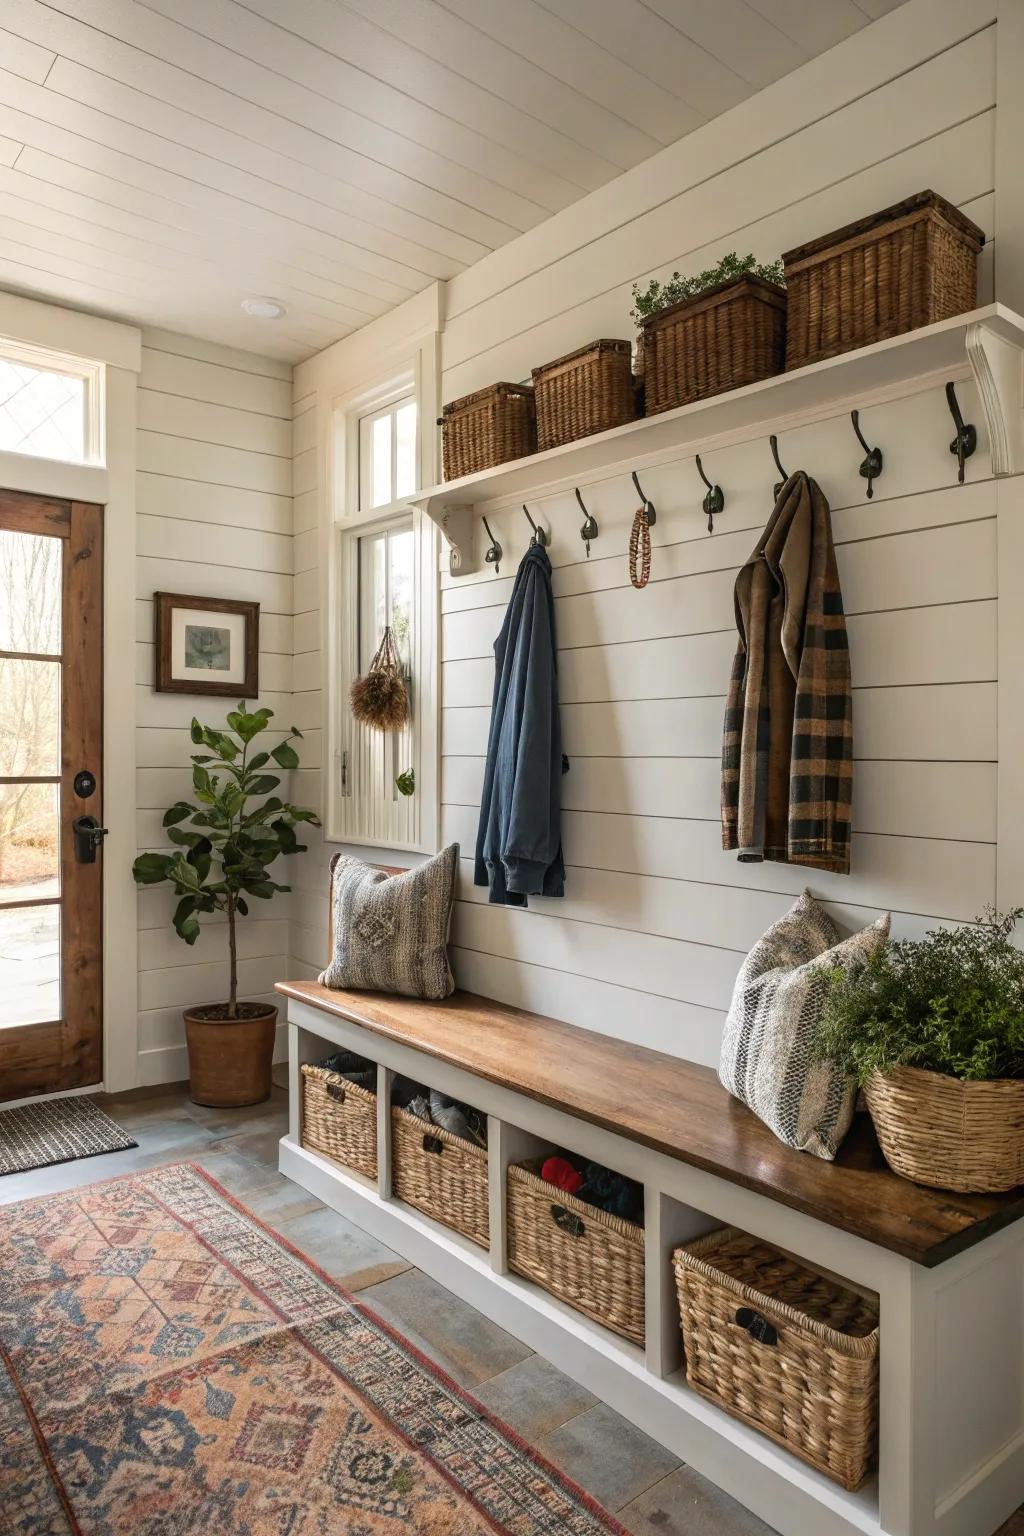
88 836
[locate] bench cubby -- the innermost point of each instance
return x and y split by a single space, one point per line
440 1174
948 1269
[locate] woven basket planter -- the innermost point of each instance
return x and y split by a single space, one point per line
486 428
732 335
907 266
442 1175
947 1133
339 1119
787 1349
591 1260
589 390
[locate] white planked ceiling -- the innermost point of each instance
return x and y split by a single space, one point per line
162 159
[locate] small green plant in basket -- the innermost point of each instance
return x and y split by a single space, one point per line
657 295
951 1003
934 1033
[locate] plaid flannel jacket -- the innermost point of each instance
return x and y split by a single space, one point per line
787 746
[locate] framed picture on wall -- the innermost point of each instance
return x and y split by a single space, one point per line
207 645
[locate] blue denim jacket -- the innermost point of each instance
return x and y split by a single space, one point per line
519 844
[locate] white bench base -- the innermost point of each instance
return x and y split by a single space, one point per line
951 1460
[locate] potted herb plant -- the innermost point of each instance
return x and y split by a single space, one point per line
224 845
934 1033
720 329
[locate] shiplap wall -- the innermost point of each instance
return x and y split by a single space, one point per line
656 917
214 517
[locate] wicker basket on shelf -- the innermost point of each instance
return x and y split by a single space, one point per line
339 1119
442 1175
486 428
947 1133
732 335
586 1257
790 1350
907 266
589 390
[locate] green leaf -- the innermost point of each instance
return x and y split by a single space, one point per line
285 756
405 783
249 724
297 732
198 731
184 838
242 906
262 784
151 868
186 924
178 812
258 761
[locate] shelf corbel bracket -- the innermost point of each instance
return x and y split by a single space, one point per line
998 368
457 527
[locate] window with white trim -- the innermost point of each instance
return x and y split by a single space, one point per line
383 786
50 404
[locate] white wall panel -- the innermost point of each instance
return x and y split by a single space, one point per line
213 517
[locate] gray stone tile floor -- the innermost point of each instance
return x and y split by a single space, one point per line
650 1491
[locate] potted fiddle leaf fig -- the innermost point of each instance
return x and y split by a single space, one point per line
224 846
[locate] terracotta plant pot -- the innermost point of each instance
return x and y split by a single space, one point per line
947 1133
229 1060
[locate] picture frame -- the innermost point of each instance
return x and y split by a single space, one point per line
206 645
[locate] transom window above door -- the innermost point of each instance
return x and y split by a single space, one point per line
388 452
50 405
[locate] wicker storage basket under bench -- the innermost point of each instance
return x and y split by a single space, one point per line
442 1175
339 1119
907 266
790 1350
579 1253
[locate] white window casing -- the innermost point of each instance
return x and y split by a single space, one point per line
368 458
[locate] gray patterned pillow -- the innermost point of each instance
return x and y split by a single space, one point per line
776 1003
391 931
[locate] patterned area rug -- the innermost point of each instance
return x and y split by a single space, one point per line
169 1366
56 1131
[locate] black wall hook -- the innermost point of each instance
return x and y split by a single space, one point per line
714 501
773 440
493 555
539 535
871 465
649 512
966 440
590 529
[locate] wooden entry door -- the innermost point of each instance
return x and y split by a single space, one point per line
51 749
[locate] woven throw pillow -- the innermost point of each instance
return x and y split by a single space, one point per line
776 1004
391 931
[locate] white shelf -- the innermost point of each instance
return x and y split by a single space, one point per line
989 340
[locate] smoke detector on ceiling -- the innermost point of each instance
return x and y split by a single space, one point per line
264 309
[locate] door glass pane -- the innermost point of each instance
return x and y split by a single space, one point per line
29 718
405 450
29 965
41 412
29 841
30 593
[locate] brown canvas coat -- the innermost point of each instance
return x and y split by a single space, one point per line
787 746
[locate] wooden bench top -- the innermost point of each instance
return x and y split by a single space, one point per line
679 1109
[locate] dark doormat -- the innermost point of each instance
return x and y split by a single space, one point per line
57 1131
